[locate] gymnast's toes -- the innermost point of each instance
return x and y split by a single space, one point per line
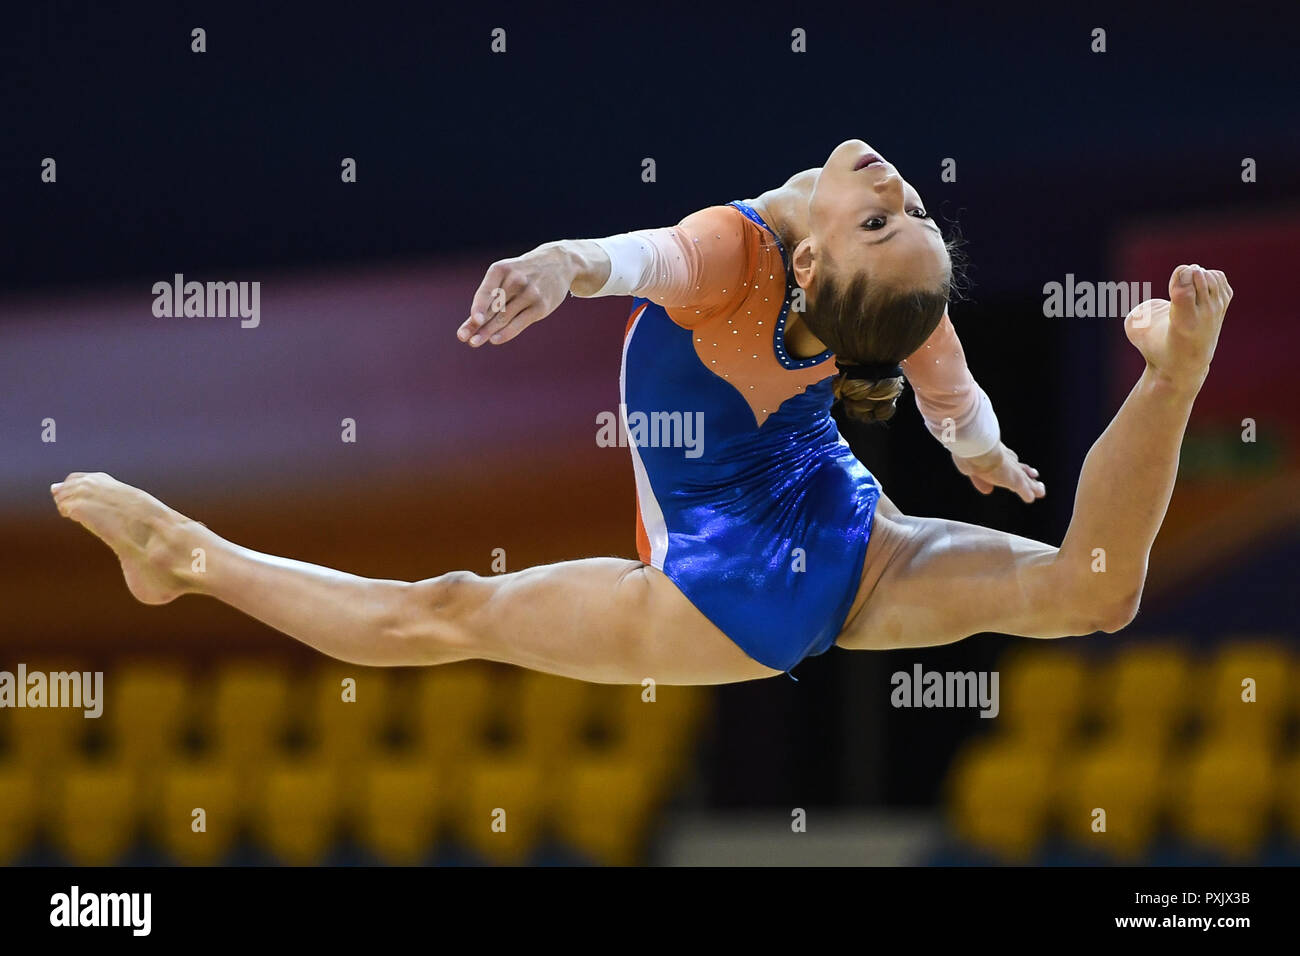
147 536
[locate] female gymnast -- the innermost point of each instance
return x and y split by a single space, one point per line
774 543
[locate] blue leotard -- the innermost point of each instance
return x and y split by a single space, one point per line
748 498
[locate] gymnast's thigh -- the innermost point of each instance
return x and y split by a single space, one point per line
606 620
932 581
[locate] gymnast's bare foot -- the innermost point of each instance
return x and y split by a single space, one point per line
150 540
1177 335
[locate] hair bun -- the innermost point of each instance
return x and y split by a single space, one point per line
868 400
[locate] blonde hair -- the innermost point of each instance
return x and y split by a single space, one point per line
866 323
868 400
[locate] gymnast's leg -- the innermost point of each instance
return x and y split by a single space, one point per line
929 581
605 620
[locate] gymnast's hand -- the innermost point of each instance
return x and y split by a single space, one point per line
517 292
1000 468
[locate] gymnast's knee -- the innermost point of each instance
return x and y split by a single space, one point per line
437 614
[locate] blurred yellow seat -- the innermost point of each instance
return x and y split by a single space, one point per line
345 712
1123 778
45 736
1143 693
248 710
208 785
94 816
548 715
502 810
1260 668
48 735
1287 795
661 733
1223 795
998 794
601 807
346 709
296 814
18 818
452 709
1041 694
400 806
146 718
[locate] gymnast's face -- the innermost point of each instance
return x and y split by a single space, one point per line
863 216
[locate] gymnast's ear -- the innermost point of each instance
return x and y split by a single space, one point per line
804 262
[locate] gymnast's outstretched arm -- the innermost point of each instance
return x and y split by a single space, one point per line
930 581
699 264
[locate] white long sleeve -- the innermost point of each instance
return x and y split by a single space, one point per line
956 410
699 263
